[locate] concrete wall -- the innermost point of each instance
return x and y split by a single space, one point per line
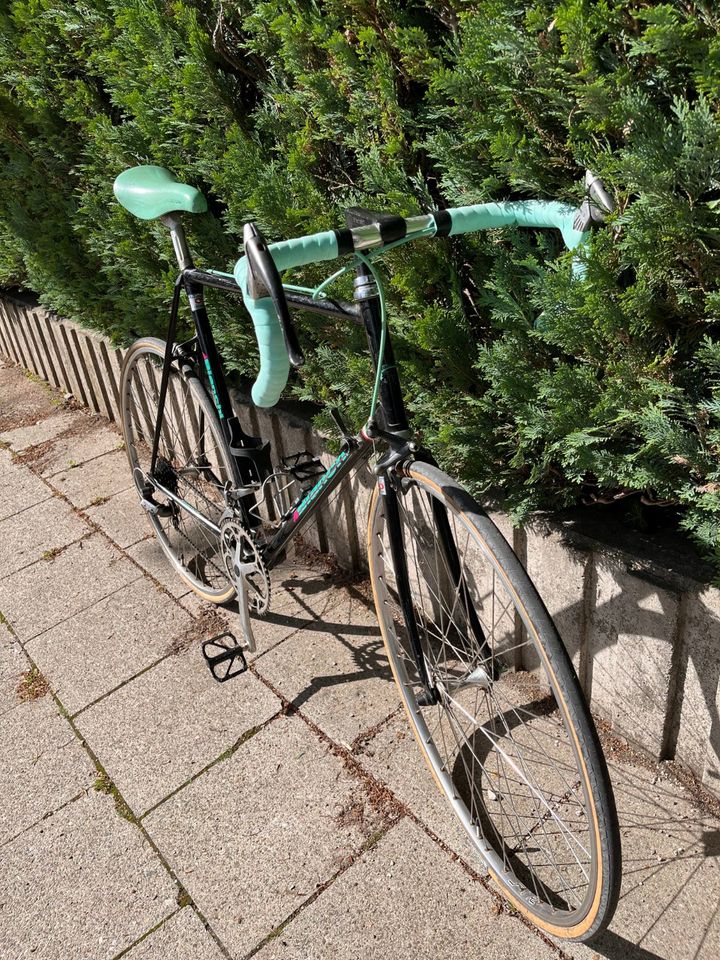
639 620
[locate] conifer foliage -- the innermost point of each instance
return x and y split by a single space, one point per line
535 387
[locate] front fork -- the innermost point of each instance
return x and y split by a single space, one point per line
399 558
390 477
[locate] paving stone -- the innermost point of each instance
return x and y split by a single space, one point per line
164 726
336 673
20 488
13 663
39 596
404 898
82 884
393 756
109 642
182 937
149 554
42 765
97 478
87 439
23 401
299 598
38 531
305 593
671 880
305 597
47 427
121 517
256 835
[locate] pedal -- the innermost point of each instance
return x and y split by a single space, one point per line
217 654
303 466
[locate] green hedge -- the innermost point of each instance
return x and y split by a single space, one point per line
286 111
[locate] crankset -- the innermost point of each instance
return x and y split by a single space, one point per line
225 657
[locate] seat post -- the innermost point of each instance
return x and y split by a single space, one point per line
173 222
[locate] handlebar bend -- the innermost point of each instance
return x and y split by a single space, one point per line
301 251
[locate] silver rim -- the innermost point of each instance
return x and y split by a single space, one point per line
501 749
196 466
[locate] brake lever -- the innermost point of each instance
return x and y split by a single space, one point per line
596 205
597 191
264 280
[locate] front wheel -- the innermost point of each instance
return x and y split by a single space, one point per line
509 740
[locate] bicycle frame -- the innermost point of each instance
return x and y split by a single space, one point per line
247 457
244 456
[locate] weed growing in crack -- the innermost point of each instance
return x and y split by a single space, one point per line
32 685
52 553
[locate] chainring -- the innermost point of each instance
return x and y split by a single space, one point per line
233 532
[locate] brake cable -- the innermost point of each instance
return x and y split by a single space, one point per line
318 293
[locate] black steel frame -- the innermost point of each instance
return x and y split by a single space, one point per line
249 455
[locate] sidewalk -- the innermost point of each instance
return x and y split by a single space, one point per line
150 813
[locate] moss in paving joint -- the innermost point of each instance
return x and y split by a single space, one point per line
98 501
4 445
248 735
51 554
32 686
183 898
274 934
103 784
374 839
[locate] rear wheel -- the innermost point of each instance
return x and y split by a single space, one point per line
193 463
510 741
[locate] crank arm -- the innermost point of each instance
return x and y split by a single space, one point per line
242 571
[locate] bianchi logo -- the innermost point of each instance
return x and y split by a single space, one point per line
211 378
319 486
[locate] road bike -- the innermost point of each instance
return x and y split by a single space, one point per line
489 690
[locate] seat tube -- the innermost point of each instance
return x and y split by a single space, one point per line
391 398
209 353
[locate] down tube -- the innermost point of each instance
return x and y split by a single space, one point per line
348 460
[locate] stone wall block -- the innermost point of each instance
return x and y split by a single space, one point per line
13 330
294 436
360 488
697 736
72 364
558 571
37 360
631 643
7 345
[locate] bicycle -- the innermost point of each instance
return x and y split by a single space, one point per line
487 685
